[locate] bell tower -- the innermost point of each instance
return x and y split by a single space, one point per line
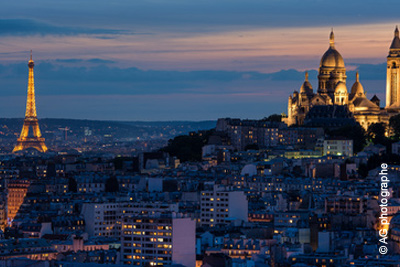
30 134
393 74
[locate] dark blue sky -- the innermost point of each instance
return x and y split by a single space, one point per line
182 59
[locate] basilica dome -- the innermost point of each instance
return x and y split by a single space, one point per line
359 99
340 88
357 88
306 88
332 58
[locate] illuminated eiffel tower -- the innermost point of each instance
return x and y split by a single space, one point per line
33 139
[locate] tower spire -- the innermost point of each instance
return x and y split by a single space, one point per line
357 77
30 101
392 74
332 39
306 76
35 140
396 40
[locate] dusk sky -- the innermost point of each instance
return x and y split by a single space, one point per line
182 59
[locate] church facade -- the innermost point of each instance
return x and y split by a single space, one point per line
332 90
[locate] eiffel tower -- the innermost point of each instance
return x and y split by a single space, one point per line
33 139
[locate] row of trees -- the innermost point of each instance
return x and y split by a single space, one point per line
188 147
377 132
394 126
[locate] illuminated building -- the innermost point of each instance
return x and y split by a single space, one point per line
104 219
338 147
302 137
32 248
319 260
3 212
393 75
347 205
17 190
244 248
302 154
332 90
220 206
394 229
35 139
249 132
261 217
159 239
290 219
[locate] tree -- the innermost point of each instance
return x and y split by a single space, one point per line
354 132
112 184
394 124
375 160
188 147
273 118
376 133
376 130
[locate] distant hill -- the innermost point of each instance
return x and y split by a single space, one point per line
9 128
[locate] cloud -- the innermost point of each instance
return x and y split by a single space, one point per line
99 61
95 79
187 35
18 27
370 71
104 92
69 60
202 16
78 60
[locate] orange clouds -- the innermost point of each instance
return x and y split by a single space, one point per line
263 49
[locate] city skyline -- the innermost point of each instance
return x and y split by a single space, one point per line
207 133
192 62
